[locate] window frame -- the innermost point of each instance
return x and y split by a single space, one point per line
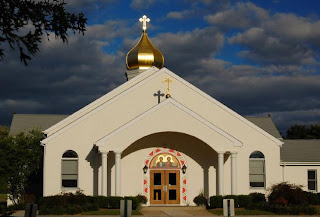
312 180
61 172
263 160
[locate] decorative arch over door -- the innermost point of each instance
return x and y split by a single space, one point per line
165 163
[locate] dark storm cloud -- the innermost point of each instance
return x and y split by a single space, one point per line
62 77
142 4
282 81
280 38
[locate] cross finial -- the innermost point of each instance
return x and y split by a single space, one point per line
144 19
158 94
168 80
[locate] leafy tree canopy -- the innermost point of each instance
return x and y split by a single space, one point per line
23 23
21 159
303 132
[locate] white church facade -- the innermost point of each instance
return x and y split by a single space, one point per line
160 136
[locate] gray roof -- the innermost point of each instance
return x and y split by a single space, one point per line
291 151
300 150
266 124
27 122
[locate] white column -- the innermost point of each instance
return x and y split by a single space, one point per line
104 156
118 171
220 172
233 173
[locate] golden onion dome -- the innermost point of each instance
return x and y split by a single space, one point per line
144 55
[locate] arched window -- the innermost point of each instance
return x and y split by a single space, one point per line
69 169
257 175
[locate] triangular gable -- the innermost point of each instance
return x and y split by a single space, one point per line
225 108
131 85
101 142
100 101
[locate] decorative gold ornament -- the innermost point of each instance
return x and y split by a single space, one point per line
168 80
144 55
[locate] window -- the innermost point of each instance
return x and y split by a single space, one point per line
257 170
69 169
312 180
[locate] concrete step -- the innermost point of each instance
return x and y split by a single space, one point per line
173 208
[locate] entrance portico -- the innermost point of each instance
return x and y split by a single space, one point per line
216 141
214 162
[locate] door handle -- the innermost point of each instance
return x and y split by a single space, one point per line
165 188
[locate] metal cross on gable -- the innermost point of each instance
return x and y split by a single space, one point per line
144 19
168 80
159 95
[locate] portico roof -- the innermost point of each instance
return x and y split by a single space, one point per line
168 122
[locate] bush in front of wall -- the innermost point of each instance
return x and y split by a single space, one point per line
216 201
200 200
244 201
285 194
142 199
291 210
312 198
258 197
234 197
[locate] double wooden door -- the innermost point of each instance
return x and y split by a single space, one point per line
164 186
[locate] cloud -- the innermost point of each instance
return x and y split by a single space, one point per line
87 3
278 39
175 15
141 4
280 75
242 15
61 78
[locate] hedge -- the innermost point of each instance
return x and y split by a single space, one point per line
239 201
258 201
76 203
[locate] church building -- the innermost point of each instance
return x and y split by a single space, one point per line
160 136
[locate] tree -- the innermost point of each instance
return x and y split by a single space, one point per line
303 132
21 158
24 22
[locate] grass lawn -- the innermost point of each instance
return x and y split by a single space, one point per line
3 197
109 212
318 209
242 211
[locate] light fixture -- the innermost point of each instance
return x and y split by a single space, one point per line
184 169
145 169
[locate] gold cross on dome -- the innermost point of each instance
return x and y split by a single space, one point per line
168 80
144 19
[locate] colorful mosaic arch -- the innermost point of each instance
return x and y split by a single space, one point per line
164 158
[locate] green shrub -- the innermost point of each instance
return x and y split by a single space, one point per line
284 194
244 201
114 202
257 198
216 201
66 203
101 201
312 198
200 200
142 199
234 197
3 186
135 202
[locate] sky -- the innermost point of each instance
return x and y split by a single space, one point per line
256 57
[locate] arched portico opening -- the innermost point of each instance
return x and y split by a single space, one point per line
204 163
